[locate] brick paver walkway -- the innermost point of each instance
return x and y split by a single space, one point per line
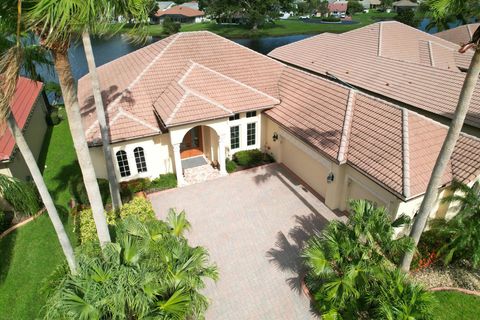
253 223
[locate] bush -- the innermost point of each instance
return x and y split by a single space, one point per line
53 118
331 19
78 191
87 231
138 207
128 188
170 26
248 158
230 165
5 221
163 182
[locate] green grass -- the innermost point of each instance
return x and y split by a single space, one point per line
32 252
279 28
454 305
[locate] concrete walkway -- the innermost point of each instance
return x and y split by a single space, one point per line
253 223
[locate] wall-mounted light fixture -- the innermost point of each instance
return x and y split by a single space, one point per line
275 137
330 177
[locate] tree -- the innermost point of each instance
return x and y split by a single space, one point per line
441 9
354 6
15 56
386 4
351 271
407 17
433 11
150 272
322 8
170 27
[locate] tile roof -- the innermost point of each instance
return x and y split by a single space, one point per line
181 11
22 105
405 3
338 6
192 77
459 35
392 60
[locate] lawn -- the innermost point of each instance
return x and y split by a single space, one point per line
280 27
31 253
455 305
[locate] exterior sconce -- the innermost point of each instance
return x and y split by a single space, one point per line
275 137
330 177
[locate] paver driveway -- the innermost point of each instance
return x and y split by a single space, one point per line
253 223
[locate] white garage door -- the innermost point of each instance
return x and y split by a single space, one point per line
308 169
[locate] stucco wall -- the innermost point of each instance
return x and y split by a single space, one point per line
34 134
158 156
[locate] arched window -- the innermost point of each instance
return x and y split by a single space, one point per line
123 163
140 159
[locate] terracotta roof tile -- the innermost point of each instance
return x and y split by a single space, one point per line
459 35
182 11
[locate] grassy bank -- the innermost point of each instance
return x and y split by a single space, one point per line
31 253
456 306
279 28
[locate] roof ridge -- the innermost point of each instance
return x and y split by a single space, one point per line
379 45
136 119
177 107
406 154
430 53
135 81
238 82
347 125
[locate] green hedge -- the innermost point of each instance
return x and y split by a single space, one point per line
163 182
138 207
78 191
230 165
251 158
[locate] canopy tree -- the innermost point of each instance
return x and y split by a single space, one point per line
440 10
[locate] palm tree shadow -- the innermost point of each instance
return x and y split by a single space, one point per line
7 248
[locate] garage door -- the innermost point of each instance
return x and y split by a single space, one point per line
309 170
357 192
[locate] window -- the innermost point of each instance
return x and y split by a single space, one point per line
251 134
140 159
123 163
251 114
236 116
234 137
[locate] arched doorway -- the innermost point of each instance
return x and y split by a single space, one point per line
192 144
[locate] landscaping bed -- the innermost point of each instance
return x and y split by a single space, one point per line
458 275
248 159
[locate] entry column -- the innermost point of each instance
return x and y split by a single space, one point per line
178 165
222 154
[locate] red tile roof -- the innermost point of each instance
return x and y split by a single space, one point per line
459 35
182 11
192 77
21 105
392 60
338 6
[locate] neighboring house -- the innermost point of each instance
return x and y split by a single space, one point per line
29 109
404 5
392 61
198 94
338 8
180 14
459 35
370 4
191 5
164 5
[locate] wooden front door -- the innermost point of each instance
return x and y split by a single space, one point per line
192 144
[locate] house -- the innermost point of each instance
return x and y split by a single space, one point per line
191 5
164 5
395 62
459 35
370 4
338 8
200 95
180 14
29 109
404 5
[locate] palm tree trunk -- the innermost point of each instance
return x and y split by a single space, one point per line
448 146
62 66
42 189
107 150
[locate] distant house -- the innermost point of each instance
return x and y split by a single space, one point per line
164 5
29 109
338 8
370 4
459 35
191 5
404 5
182 14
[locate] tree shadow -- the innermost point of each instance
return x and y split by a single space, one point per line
7 248
42 157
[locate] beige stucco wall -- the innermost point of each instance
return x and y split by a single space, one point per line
158 156
34 134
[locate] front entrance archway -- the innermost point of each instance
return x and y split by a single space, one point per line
192 143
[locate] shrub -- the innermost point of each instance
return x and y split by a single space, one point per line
77 189
138 207
230 165
87 232
5 220
53 118
163 182
128 188
248 158
331 19
170 26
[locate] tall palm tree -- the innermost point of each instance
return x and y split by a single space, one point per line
12 61
441 9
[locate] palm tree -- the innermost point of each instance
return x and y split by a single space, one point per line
148 273
13 59
442 8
